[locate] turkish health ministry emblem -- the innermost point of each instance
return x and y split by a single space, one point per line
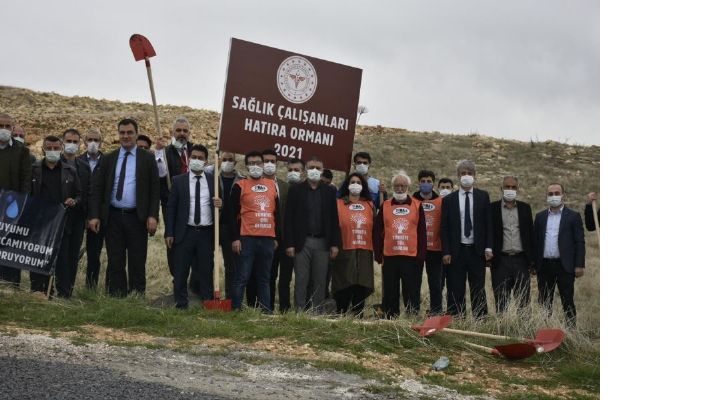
297 79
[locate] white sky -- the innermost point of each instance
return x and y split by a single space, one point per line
515 69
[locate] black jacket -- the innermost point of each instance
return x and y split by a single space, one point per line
178 208
525 226
147 186
589 218
295 227
84 172
15 167
570 239
71 186
451 223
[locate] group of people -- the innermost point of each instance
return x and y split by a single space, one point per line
328 237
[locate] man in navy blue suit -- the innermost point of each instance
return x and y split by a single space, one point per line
189 226
466 243
559 252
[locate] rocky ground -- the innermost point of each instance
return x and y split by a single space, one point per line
38 366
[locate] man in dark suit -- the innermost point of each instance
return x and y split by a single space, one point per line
311 234
512 246
124 202
559 252
189 227
589 213
94 241
466 242
15 174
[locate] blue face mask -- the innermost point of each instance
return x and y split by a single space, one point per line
426 187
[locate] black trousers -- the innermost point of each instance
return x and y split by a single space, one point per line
549 274
472 267
351 299
285 277
394 270
511 276
126 240
435 279
11 275
196 248
65 274
94 244
40 282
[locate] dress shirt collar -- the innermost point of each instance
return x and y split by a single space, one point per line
193 175
550 212
124 151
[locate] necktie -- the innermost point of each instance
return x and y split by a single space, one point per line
467 224
198 218
183 161
122 177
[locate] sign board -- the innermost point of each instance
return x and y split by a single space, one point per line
30 232
298 105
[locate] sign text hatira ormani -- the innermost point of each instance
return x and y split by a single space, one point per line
290 113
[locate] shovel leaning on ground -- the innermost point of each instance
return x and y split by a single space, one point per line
515 351
217 303
545 340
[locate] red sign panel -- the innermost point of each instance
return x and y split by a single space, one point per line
298 105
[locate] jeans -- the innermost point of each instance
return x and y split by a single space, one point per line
256 256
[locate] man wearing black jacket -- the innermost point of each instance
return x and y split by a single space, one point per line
513 247
94 241
311 234
125 201
559 252
57 181
466 242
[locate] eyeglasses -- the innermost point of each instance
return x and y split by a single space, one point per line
181 130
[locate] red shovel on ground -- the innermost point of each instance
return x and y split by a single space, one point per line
515 351
545 340
217 303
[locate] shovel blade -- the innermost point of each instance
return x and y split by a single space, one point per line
141 47
433 325
220 305
548 339
516 351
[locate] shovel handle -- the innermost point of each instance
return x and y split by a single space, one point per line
217 258
483 335
484 348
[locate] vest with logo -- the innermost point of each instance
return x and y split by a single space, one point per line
258 204
432 212
401 222
356 221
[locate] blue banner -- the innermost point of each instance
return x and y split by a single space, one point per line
30 232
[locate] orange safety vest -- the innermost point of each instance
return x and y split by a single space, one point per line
432 212
356 221
258 204
401 222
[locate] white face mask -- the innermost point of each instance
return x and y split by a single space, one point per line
554 201
227 167
255 171
362 168
293 176
197 165
19 139
444 192
510 195
92 147
269 168
52 155
5 135
314 175
71 148
179 144
399 196
355 189
466 181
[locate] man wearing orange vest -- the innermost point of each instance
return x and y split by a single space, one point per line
400 247
256 209
431 203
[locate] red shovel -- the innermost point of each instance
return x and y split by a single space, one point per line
515 351
143 50
545 340
217 303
